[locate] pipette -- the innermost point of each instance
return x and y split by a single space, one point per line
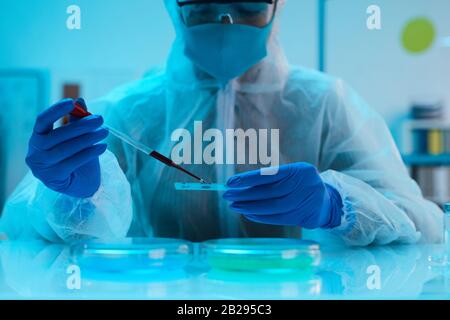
80 112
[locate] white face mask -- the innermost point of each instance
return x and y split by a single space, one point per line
226 51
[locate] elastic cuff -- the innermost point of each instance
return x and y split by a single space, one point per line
336 207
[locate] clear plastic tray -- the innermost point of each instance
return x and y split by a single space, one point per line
132 255
261 254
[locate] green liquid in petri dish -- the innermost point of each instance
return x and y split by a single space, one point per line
249 263
260 255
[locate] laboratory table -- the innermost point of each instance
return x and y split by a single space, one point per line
39 270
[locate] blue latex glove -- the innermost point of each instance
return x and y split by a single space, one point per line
295 196
65 159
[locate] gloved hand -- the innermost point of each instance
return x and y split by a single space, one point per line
65 159
295 196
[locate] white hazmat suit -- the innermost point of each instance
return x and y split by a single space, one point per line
321 121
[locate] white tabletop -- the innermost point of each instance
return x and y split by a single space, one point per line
38 270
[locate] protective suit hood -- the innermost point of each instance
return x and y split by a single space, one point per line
270 72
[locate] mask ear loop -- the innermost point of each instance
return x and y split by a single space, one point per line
275 7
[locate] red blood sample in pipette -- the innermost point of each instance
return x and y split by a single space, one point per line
80 111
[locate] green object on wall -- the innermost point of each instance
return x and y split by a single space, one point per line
418 35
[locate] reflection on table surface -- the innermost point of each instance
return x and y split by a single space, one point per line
42 270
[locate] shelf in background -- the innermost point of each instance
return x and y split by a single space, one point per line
428 124
426 160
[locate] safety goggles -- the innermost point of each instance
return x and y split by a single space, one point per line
257 13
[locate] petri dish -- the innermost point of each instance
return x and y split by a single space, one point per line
261 254
132 255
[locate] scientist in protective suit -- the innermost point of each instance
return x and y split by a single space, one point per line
339 168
